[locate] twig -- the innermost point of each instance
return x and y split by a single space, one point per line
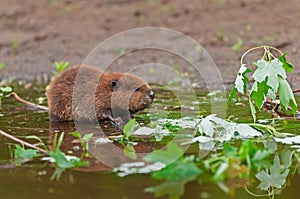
22 142
29 104
276 105
296 90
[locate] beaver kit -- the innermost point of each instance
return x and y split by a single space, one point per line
86 93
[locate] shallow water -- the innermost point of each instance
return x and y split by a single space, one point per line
32 180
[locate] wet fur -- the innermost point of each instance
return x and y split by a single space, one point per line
116 95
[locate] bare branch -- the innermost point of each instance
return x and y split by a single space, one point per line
22 142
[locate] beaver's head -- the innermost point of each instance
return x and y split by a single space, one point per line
130 92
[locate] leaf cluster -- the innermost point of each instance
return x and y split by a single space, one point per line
269 82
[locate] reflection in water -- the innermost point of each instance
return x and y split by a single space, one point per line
104 155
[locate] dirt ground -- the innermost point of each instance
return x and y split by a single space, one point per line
34 34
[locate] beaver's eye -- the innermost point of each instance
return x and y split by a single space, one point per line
136 89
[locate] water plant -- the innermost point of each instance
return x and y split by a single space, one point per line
4 90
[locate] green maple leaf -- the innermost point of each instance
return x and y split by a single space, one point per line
274 177
286 65
286 96
241 79
240 83
269 72
129 127
259 92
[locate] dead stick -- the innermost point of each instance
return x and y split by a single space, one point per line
30 104
22 142
296 90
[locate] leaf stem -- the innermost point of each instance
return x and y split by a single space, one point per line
255 195
269 128
259 47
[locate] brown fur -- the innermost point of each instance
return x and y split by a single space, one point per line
116 95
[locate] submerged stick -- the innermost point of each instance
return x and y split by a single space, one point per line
22 142
29 104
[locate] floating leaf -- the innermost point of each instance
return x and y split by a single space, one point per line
159 133
289 140
222 130
137 167
180 170
172 153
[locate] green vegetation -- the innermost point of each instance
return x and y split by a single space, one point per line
2 65
237 47
269 81
61 160
3 91
84 141
60 66
237 152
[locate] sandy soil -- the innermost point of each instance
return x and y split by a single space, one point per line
34 34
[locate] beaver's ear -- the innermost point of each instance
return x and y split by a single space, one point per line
114 85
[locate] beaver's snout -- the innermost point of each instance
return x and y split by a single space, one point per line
151 95
148 99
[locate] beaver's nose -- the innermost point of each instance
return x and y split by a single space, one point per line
151 94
